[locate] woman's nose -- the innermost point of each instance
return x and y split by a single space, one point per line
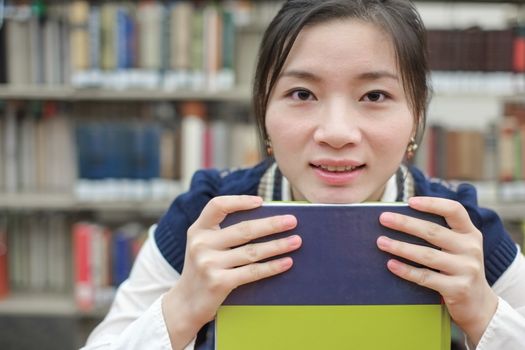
339 126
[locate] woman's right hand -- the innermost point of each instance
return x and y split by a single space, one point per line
213 268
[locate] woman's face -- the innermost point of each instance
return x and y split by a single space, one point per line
338 117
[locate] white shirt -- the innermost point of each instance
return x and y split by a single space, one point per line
135 320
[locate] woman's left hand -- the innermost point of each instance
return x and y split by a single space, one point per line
456 271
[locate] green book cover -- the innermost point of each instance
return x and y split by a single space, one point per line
339 293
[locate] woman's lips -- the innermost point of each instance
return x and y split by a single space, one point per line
337 175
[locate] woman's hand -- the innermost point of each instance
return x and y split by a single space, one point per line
461 277
212 268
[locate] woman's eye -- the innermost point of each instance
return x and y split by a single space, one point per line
301 95
375 96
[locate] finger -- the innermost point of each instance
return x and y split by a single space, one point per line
454 213
246 231
217 208
429 231
419 275
254 252
426 256
258 271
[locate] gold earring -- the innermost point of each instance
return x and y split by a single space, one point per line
269 149
411 148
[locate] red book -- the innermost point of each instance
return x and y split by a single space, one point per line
519 50
4 277
84 288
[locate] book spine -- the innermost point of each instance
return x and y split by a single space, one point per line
193 127
79 34
84 288
18 48
4 273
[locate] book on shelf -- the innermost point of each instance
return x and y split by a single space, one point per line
39 252
79 19
3 55
455 154
148 44
103 260
52 253
338 292
4 274
136 151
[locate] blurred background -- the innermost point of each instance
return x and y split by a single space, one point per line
108 107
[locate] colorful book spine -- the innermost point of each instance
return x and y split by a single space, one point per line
4 272
84 287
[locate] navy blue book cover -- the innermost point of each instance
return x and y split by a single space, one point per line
339 262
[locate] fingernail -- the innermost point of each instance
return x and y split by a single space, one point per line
394 265
288 221
294 241
414 201
383 242
286 263
257 201
387 218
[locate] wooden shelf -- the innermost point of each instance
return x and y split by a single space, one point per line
68 93
46 305
237 95
67 202
507 211
475 1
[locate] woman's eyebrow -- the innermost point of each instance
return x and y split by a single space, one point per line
300 74
375 75
372 75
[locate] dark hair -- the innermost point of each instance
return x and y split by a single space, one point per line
398 18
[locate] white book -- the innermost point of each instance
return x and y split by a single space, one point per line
51 51
27 157
149 16
18 48
180 39
220 137
11 152
35 256
59 155
193 129
36 49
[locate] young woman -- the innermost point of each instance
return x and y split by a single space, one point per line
340 96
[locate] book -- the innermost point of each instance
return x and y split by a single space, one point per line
83 283
4 275
18 48
79 35
338 293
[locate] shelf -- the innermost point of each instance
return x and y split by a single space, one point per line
67 202
46 305
68 93
237 95
475 1
508 211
